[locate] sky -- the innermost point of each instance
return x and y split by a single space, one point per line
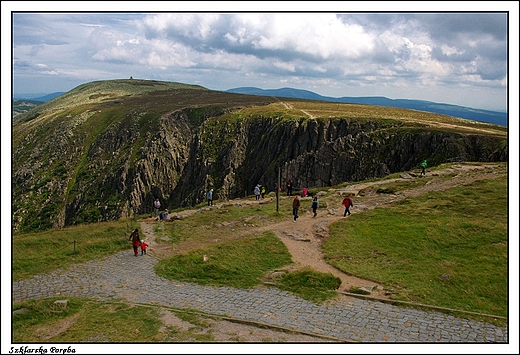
444 56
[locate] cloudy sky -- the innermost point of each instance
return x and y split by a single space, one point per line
458 58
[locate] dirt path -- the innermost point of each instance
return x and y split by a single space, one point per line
291 107
304 237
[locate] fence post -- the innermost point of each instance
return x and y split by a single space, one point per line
278 190
74 247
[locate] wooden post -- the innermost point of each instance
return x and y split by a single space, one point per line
278 192
74 247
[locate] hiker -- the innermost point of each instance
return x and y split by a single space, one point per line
347 202
314 205
166 216
305 192
423 166
257 192
134 237
209 196
143 247
295 207
289 187
262 191
156 206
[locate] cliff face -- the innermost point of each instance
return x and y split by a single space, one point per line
109 159
317 153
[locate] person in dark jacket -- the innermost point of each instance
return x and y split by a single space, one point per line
314 205
295 207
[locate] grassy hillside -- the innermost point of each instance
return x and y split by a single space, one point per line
106 149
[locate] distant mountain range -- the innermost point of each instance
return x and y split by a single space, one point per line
493 117
37 97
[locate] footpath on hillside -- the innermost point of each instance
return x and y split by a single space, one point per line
266 313
303 239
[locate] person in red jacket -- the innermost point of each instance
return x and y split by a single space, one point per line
134 237
143 247
347 202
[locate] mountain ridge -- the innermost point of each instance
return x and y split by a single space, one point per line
106 150
487 116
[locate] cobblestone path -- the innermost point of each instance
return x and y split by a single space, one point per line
348 319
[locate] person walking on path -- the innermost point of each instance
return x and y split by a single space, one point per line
314 205
136 240
257 192
295 207
156 206
289 187
262 191
143 247
347 202
423 166
209 196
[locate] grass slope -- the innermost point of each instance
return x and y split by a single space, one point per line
448 248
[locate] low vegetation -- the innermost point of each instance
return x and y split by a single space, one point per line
448 249
99 322
207 227
53 249
241 263
310 284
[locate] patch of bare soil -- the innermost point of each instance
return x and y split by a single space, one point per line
51 330
226 331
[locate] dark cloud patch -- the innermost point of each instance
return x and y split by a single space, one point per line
449 26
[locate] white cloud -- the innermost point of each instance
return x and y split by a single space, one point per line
340 55
448 50
285 66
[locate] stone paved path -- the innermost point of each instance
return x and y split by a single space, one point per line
347 319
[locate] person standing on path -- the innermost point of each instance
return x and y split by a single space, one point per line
295 207
289 187
262 191
347 202
156 206
257 192
423 166
314 205
136 240
143 247
209 196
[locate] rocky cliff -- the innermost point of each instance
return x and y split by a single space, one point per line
105 150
